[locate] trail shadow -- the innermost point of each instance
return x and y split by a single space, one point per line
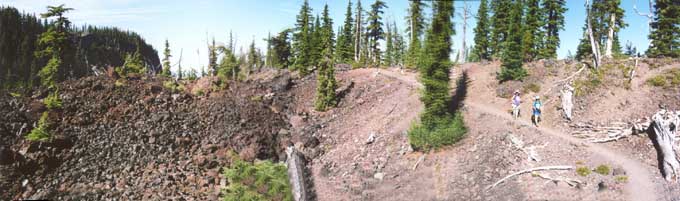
460 93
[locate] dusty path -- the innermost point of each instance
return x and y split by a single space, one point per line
640 185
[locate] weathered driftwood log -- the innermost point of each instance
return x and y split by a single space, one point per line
665 125
296 174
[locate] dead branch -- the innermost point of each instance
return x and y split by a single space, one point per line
564 167
422 157
519 144
614 131
571 182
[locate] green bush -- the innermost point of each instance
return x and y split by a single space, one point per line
657 81
533 87
446 132
621 178
40 132
256 181
583 171
15 94
602 169
52 101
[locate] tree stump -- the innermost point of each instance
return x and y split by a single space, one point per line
296 174
567 103
664 127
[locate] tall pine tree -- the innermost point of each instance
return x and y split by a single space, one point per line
500 21
532 33
481 49
344 49
212 58
438 126
166 60
375 32
302 40
554 15
326 32
415 20
511 67
399 45
389 46
358 32
665 35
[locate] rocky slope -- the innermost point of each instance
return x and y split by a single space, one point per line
137 139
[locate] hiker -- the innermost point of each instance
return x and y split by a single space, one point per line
515 104
536 108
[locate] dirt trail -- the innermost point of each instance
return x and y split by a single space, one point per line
639 187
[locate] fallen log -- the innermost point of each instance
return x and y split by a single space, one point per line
665 125
296 174
564 167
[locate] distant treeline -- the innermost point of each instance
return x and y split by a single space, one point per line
92 46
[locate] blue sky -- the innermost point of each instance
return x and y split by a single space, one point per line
187 23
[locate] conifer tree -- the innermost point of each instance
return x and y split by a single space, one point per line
612 22
554 16
499 26
281 50
326 32
399 46
415 20
481 49
389 46
375 32
532 33
511 67
358 32
268 58
166 60
212 58
316 39
665 33
302 40
326 85
344 50
253 59
438 126
54 42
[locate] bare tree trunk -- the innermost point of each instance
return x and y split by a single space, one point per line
593 43
567 103
665 127
610 37
465 16
650 16
357 37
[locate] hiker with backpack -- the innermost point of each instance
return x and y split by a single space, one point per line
536 111
516 101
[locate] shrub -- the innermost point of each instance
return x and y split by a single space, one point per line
15 94
583 171
446 132
602 169
657 81
533 87
621 178
52 101
119 83
256 181
40 132
200 92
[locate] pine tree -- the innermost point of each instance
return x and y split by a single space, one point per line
416 25
268 58
481 49
438 126
499 26
435 63
389 46
326 85
375 31
212 58
399 46
281 50
316 39
358 32
612 22
326 32
344 50
532 33
253 59
302 40
54 43
554 13
665 34
511 67
166 60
